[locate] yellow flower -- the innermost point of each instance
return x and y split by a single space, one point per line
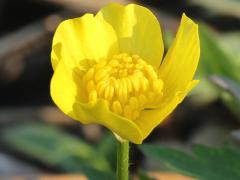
108 69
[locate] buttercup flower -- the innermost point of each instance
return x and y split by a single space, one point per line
108 69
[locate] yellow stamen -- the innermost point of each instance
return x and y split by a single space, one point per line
90 86
116 107
93 96
126 83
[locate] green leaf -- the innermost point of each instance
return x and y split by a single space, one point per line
230 43
206 163
215 60
53 146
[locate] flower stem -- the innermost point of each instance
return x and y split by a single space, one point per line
122 160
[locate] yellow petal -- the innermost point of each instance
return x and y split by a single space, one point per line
177 71
100 114
65 91
84 38
149 119
138 31
180 63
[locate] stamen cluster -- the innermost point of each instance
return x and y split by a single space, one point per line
127 83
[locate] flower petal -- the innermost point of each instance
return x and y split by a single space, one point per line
177 71
138 31
180 63
65 93
100 114
84 38
149 119
64 90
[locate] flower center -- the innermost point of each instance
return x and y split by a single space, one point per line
127 83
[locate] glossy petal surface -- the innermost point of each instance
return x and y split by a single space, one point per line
177 71
137 29
83 40
181 60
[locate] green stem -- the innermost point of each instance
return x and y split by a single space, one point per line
122 160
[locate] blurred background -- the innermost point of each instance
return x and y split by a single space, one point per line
36 139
